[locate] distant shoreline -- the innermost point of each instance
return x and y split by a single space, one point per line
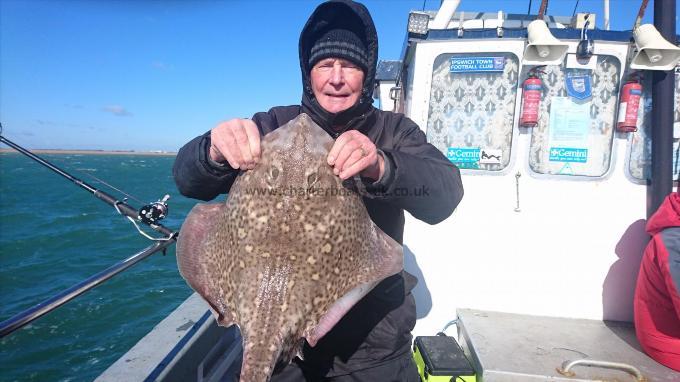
94 152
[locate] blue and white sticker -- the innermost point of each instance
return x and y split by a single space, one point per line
476 64
568 154
463 154
579 87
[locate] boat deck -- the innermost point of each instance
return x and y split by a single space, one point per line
189 346
518 347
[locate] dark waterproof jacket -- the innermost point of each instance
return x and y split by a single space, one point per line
418 178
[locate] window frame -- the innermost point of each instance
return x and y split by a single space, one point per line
647 84
617 51
428 52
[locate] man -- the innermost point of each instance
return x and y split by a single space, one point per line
657 295
338 54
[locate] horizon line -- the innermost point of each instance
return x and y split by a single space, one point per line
92 151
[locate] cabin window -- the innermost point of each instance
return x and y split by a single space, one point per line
575 127
472 103
640 142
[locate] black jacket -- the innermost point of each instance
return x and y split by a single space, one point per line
422 182
418 179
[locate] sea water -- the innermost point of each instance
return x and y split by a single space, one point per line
54 234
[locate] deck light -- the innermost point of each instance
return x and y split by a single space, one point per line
418 23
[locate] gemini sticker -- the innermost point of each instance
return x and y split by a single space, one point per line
568 154
472 157
463 154
464 157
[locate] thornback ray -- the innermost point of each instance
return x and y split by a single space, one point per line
289 253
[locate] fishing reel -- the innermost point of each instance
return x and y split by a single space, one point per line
154 212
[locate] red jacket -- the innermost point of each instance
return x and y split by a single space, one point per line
657 295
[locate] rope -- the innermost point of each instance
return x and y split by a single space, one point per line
542 9
575 6
641 13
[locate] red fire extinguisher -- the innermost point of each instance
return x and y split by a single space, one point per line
531 98
628 107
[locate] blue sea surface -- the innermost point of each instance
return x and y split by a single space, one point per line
53 235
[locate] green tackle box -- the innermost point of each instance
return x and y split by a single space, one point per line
440 359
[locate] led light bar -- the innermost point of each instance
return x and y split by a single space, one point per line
418 23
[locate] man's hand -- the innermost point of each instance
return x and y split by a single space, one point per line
353 153
238 142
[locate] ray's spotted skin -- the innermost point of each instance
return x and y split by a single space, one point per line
289 253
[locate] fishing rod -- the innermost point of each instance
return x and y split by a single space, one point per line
31 314
149 214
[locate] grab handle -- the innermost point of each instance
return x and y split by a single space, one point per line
568 365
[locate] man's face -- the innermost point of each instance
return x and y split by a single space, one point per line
336 84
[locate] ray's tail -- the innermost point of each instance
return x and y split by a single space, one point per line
259 359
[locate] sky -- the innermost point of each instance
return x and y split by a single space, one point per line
151 75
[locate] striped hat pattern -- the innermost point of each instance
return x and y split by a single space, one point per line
339 43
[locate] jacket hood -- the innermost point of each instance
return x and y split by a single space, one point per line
668 215
353 16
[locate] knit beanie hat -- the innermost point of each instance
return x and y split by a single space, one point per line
339 43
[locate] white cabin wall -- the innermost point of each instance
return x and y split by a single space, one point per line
386 103
573 250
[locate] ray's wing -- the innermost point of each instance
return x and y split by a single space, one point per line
196 257
364 257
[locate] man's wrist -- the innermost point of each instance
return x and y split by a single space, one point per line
214 158
375 171
386 174
386 171
206 148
